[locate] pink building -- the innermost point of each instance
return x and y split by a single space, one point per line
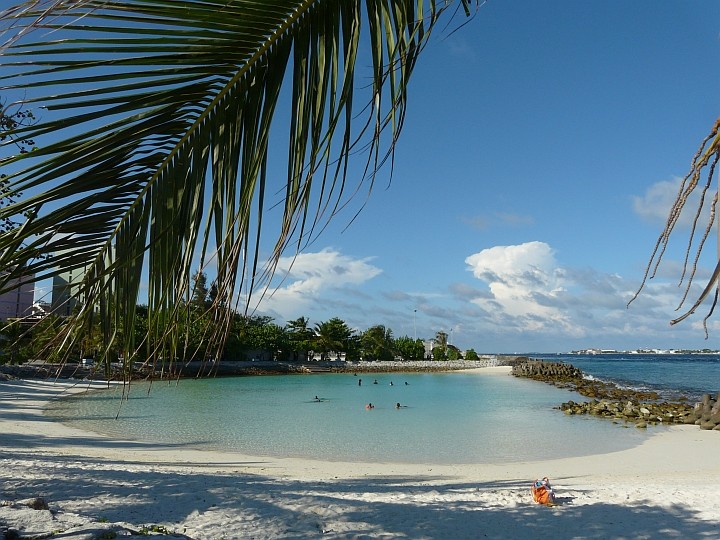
17 303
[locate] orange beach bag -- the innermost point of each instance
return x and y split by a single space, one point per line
541 491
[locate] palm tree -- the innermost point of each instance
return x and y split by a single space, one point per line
154 147
377 343
334 336
300 336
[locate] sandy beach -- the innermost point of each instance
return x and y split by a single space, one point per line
667 487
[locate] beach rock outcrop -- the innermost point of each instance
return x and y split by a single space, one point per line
641 414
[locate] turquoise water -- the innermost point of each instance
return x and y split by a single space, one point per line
446 418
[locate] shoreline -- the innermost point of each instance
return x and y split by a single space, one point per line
668 483
238 368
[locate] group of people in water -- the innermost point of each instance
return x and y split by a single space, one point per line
376 382
369 406
397 406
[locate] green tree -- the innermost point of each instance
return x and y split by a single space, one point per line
441 340
377 343
200 292
269 338
300 337
334 336
161 115
470 354
13 119
410 349
14 341
439 353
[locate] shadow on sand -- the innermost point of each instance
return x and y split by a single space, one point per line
228 504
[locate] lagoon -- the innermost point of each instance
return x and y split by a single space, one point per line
456 417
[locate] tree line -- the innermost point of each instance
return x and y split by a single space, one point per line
248 337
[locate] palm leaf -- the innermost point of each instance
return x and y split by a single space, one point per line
155 146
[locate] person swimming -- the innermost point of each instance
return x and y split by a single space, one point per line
369 406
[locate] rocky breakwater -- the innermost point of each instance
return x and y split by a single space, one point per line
706 413
620 404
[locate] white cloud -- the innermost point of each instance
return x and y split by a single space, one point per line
309 277
532 298
525 283
654 206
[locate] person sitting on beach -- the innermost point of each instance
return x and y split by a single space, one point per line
542 492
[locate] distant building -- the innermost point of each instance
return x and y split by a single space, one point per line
16 303
429 345
65 291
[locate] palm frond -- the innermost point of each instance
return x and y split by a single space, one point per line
155 144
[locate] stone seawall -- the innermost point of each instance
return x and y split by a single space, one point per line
422 365
243 368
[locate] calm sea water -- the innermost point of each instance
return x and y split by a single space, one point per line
671 375
446 418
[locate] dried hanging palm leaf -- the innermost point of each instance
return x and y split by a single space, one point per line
698 180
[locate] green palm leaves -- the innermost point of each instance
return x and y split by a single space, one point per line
154 149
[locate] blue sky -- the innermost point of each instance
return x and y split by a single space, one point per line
543 147
544 144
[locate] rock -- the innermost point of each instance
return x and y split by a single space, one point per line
37 503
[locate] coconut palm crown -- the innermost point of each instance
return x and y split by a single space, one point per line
154 140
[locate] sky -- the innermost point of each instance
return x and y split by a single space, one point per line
544 145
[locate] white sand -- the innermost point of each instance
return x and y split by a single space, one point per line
668 487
